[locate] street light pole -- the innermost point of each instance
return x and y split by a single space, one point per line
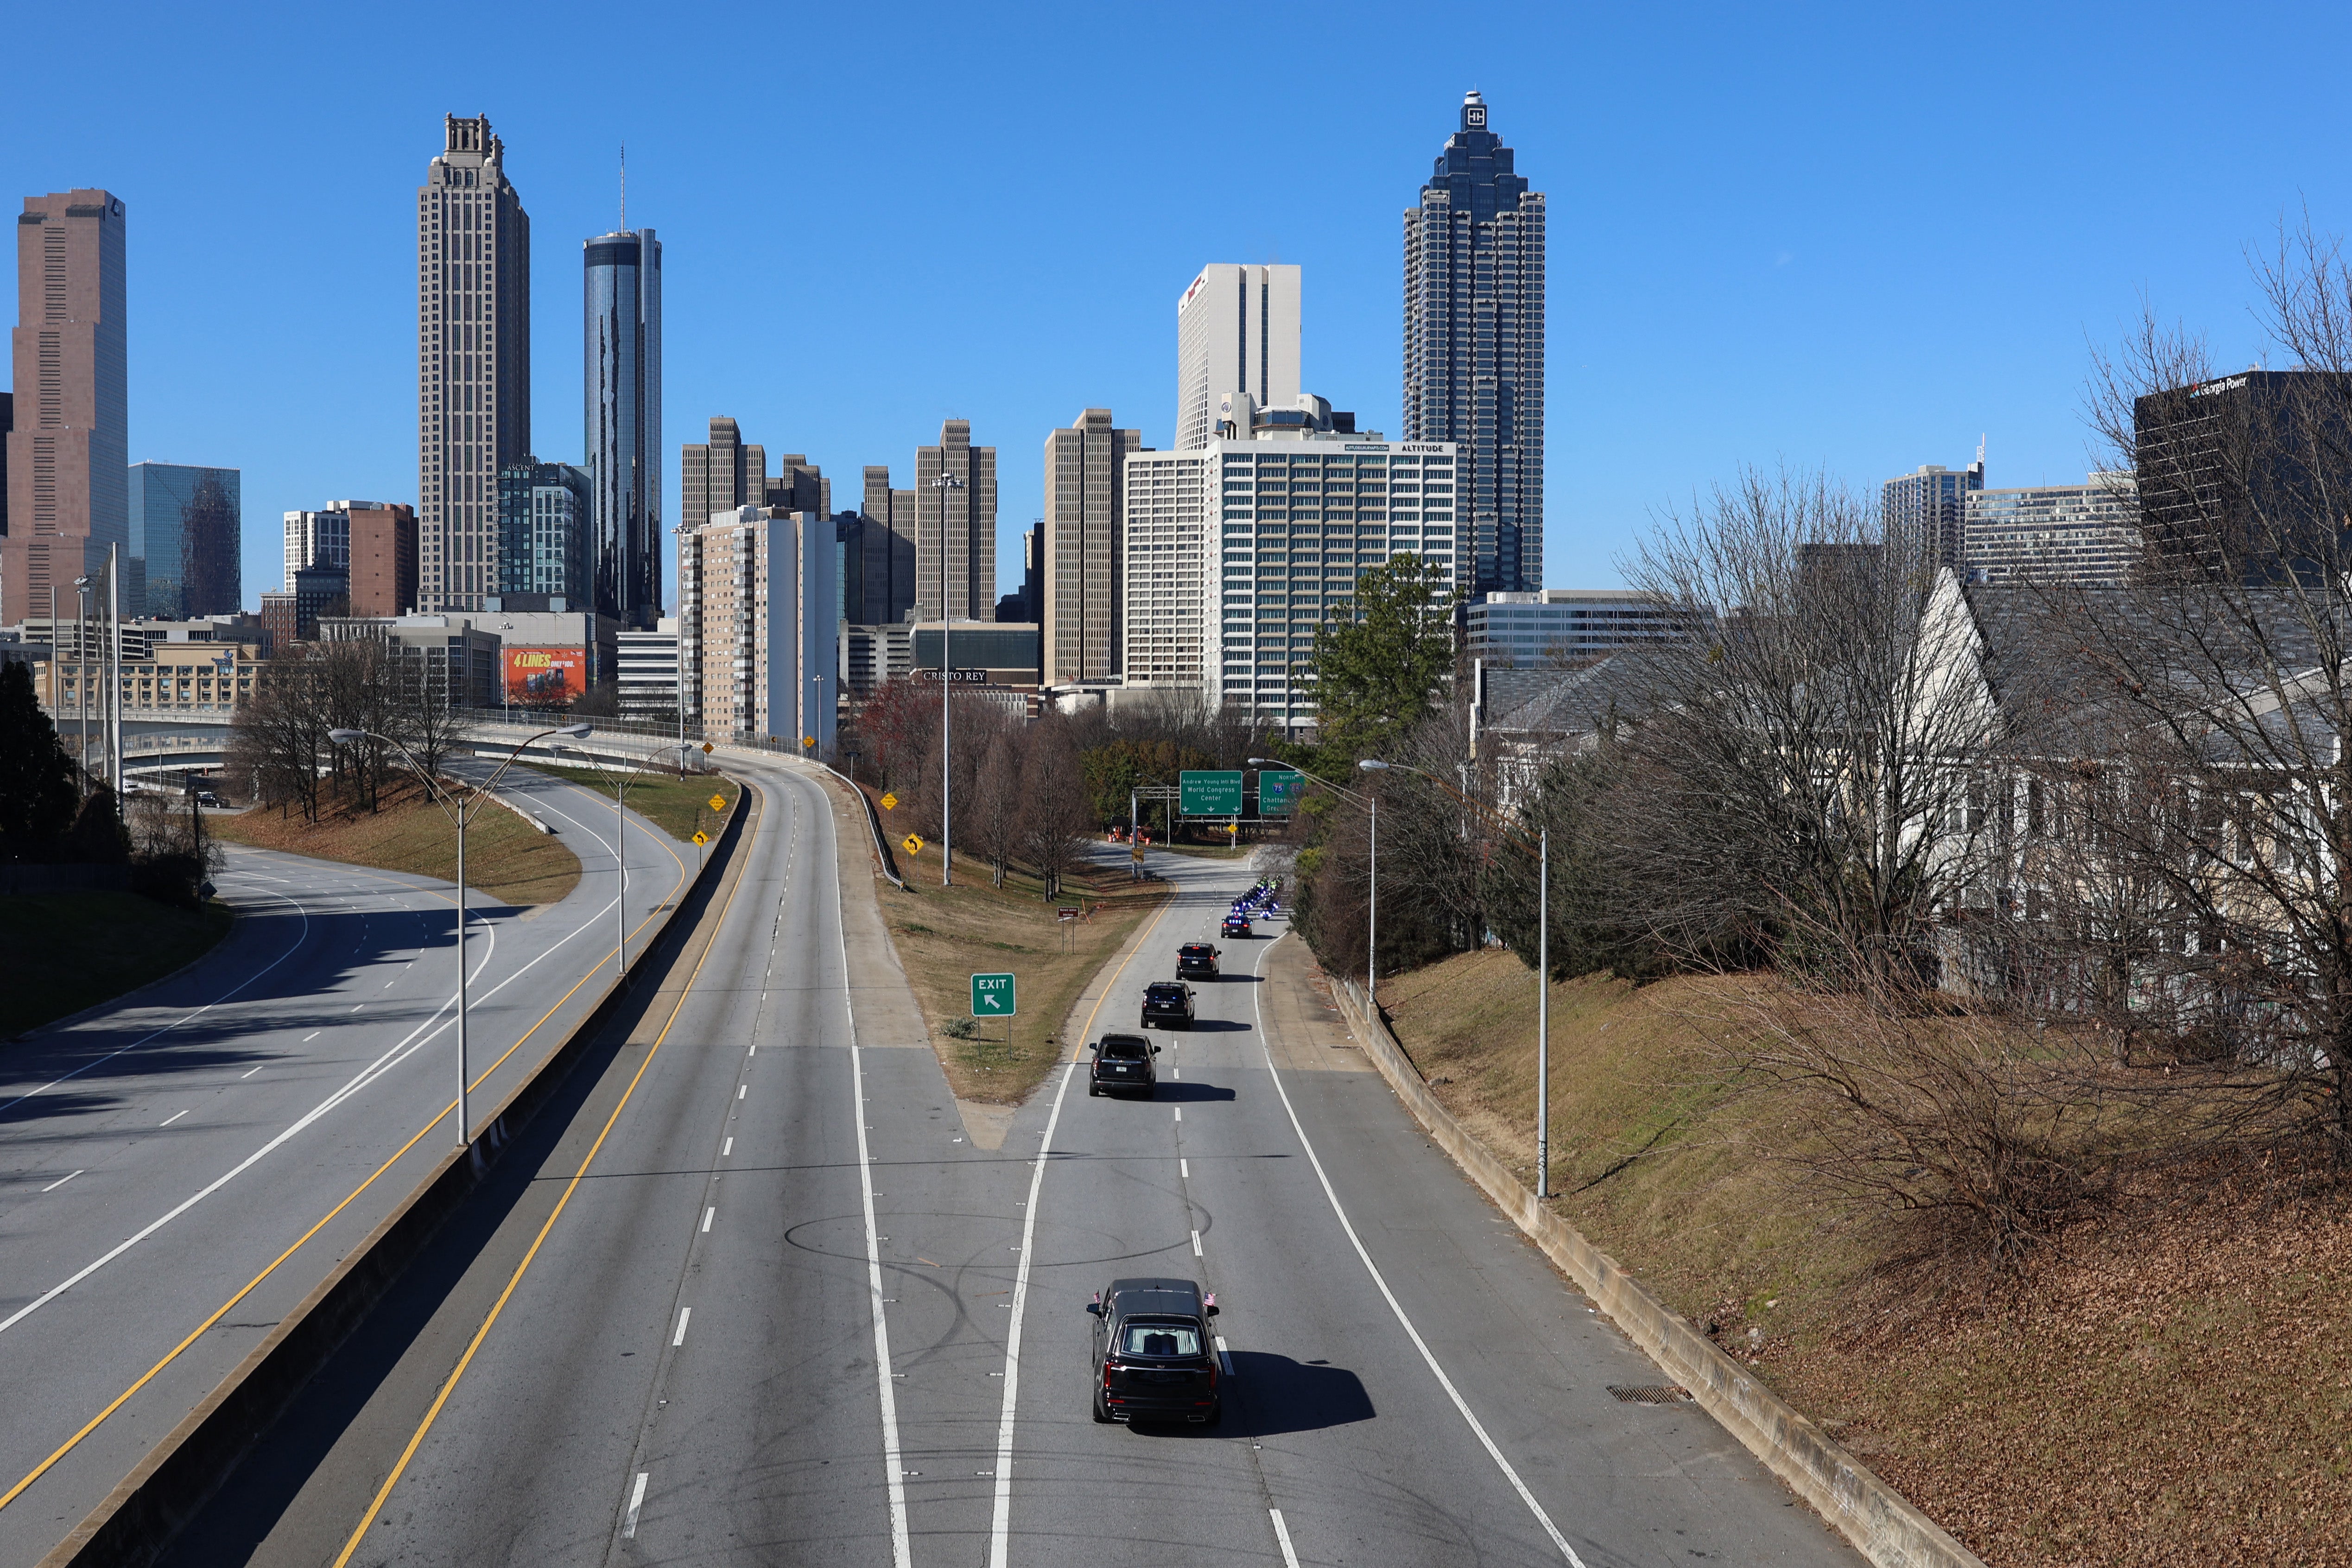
1372 920
458 818
621 783
943 484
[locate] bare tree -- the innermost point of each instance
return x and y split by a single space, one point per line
996 804
1055 824
279 737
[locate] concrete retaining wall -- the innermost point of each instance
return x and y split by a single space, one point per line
140 1519
1881 1525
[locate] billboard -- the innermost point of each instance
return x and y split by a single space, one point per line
546 676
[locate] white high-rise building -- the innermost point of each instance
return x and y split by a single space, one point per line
1236 331
761 621
322 540
473 362
1236 552
2086 534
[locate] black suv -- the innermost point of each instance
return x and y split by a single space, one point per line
1196 961
1153 1353
1167 1002
1123 1064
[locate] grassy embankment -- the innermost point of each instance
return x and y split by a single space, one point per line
506 860
2171 1382
71 950
679 807
946 935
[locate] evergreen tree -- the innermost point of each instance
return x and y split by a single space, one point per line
1379 663
36 780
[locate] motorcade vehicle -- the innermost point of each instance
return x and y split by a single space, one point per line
206 797
1236 925
1154 1356
1122 1065
1197 961
1169 1003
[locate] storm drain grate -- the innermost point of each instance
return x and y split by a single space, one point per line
1652 1393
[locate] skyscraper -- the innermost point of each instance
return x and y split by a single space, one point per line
384 558
547 540
184 525
721 474
964 516
1474 344
320 541
1925 508
621 347
885 544
1238 329
1085 539
69 455
473 360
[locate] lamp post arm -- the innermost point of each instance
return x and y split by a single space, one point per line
1486 814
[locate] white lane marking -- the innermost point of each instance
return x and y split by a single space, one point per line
299 937
679 1338
312 1035
356 1009
727 1148
1282 1539
173 1117
1182 1168
741 1089
416 1040
1494 1452
1225 1356
1180 1113
61 1182
707 1216
1177 1072
243 1075
390 984
999 1529
637 1501
1196 1244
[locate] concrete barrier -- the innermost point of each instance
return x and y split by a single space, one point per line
1876 1519
139 1520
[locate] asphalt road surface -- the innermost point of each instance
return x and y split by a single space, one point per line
166 1151
759 1293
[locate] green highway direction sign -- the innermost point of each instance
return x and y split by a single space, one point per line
1209 794
1277 790
992 996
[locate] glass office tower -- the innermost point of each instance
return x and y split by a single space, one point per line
184 523
622 371
1474 344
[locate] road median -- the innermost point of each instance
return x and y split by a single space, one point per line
137 1522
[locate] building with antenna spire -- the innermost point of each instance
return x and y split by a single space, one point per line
621 407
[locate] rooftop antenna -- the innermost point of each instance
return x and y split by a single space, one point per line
625 187
1980 445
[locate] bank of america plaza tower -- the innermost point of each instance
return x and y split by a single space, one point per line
1473 346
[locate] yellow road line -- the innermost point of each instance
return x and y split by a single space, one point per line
416 1440
1078 1050
68 1447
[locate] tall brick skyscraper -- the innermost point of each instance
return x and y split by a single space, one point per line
473 360
69 455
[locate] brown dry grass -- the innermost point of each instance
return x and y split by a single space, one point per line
507 860
945 935
2170 1383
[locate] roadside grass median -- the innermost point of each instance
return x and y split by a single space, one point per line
71 950
679 807
946 935
508 861
2167 1379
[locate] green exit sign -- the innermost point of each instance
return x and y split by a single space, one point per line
1209 792
992 996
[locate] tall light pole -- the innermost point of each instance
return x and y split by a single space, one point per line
943 484
1372 915
621 783
81 672
1543 959
459 818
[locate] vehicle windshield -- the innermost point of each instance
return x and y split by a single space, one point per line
1161 1338
1123 1050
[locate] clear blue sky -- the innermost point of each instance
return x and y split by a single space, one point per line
1848 236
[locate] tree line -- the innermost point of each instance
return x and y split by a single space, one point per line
280 740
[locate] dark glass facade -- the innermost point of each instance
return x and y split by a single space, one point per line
544 533
621 345
185 525
1473 346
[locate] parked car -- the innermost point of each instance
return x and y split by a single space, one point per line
1197 961
1236 925
1153 1353
1123 1065
1167 1002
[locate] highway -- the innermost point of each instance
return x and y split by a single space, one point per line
164 1153
760 1295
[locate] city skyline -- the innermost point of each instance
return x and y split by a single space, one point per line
1728 289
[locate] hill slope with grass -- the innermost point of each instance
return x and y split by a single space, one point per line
506 860
2167 1381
